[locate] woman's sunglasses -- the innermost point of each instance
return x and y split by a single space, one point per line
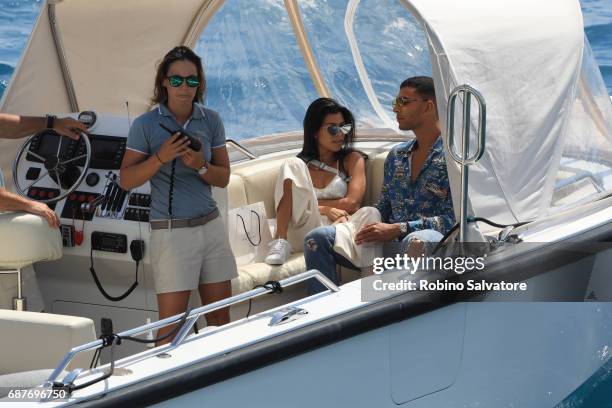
335 129
192 81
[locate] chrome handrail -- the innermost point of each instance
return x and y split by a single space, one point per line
242 149
463 158
192 317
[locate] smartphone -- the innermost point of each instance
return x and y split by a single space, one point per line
195 143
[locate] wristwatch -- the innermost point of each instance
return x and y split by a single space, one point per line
404 228
50 121
202 170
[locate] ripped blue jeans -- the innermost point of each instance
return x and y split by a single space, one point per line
319 252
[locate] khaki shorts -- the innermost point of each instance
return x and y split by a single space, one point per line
184 258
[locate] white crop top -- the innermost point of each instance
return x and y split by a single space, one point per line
336 189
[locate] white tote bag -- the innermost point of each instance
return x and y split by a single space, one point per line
249 233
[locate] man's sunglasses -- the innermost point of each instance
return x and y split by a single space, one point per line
403 101
335 129
192 81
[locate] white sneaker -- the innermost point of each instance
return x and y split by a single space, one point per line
279 252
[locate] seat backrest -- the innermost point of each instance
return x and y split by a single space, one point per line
374 173
16 228
259 180
255 182
32 341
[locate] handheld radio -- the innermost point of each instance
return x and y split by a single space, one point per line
195 143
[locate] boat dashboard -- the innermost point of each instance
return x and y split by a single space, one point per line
101 179
98 211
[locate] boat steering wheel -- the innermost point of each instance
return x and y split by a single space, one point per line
54 166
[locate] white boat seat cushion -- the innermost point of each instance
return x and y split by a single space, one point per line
255 274
236 192
259 181
27 238
32 341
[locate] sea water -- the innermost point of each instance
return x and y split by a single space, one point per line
598 28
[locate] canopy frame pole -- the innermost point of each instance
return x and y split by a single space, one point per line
464 159
293 10
200 21
61 55
349 17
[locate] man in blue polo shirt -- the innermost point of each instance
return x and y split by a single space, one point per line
415 202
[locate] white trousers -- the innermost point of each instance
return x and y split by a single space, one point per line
305 216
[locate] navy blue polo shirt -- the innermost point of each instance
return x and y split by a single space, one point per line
192 196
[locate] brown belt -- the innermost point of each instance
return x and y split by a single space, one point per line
185 222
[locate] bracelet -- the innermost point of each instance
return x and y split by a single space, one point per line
160 160
50 121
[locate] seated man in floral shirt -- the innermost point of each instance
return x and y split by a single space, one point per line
415 202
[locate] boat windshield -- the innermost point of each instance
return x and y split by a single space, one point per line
257 78
585 168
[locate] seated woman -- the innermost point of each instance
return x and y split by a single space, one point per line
324 184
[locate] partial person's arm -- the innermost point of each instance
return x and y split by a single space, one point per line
381 232
13 202
15 126
440 223
218 173
355 165
137 169
377 232
218 170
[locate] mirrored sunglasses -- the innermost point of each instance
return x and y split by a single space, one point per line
192 81
334 129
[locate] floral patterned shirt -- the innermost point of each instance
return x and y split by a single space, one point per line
425 203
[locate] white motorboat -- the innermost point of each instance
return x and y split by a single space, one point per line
517 78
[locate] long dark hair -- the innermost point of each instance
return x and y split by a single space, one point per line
313 120
160 95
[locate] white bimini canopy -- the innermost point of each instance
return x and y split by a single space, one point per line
524 57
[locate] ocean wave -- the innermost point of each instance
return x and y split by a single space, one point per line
6 69
606 72
3 85
600 34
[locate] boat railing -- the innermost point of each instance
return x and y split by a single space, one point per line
192 317
241 149
464 158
